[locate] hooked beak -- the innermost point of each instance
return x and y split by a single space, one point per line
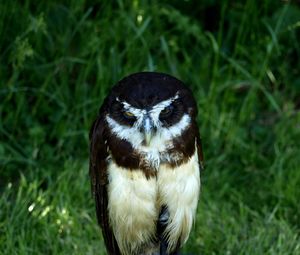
148 130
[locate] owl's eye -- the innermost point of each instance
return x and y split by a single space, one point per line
128 115
166 112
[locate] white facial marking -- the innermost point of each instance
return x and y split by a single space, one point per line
135 111
157 142
178 128
135 137
130 134
147 125
156 109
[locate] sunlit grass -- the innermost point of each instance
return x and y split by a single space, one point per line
241 60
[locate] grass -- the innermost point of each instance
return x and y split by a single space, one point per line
242 61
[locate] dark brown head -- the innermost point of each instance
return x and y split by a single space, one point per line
149 109
149 119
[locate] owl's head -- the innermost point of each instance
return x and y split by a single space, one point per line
149 109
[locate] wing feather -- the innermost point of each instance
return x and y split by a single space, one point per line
200 151
99 182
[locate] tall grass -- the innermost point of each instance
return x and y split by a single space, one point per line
58 60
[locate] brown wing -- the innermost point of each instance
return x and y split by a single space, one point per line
99 182
200 151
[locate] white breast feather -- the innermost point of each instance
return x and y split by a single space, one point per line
132 208
134 203
179 189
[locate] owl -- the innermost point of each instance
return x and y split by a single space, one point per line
145 163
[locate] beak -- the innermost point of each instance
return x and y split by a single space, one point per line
147 129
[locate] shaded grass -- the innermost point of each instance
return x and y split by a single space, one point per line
58 61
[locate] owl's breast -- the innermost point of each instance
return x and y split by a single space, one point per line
135 201
132 209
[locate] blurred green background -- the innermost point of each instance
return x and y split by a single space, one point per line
58 60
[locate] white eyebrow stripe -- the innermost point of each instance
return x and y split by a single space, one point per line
161 104
165 103
136 111
156 109
154 112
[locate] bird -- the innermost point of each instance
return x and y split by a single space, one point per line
145 163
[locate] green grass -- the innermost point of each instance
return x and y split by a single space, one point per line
240 58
